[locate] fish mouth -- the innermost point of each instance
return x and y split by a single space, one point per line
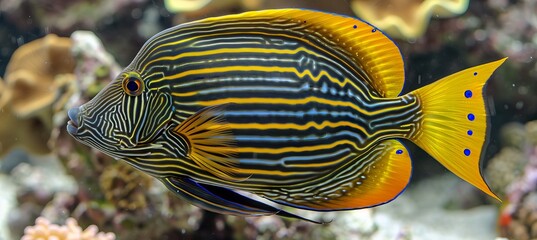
72 124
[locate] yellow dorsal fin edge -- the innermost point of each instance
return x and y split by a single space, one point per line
368 47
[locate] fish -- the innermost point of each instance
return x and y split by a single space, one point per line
248 113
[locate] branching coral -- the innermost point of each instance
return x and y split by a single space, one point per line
44 229
406 18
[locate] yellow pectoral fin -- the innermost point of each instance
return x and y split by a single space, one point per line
211 142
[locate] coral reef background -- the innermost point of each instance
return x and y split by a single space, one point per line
57 54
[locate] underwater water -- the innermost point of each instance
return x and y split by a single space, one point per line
57 55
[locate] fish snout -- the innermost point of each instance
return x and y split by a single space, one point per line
73 123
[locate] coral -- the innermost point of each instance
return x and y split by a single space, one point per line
505 168
518 218
125 186
31 75
514 135
44 229
185 5
178 6
64 15
26 133
406 19
521 223
203 8
37 75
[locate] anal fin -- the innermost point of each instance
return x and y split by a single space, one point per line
383 173
384 180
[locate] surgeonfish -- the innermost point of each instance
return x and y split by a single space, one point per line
300 107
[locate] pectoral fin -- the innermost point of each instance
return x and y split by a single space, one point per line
222 200
211 142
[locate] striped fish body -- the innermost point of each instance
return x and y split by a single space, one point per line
300 107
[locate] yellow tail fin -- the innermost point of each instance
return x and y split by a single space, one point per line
455 122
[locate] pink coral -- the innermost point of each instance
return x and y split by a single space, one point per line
44 229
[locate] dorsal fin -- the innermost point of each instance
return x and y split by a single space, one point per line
369 48
211 142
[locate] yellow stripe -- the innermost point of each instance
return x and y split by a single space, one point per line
296 149
288 101
231 50
186 94
187 29
246 172
311 148
306 72
324 164
294 126
266 34
177 169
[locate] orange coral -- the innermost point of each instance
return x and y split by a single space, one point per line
406 18
44 229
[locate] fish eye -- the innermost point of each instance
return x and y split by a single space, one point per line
132 84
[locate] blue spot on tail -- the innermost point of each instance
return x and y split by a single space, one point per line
399 151
354 26
374 30
467 152
475 73
470 132
471 117
468 94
